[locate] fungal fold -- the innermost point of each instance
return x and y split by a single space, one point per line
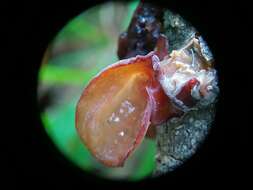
126 99
187 77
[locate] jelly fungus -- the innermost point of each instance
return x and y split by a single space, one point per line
127 98
117 107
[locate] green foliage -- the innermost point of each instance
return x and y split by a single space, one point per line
79 52
51 74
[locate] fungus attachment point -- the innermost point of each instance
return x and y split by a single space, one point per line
185 75
117 107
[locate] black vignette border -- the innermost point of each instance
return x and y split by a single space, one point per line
31 159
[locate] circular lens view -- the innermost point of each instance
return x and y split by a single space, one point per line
127 90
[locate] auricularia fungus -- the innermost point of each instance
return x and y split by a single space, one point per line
131 97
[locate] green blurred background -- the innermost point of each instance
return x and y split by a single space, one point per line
85 45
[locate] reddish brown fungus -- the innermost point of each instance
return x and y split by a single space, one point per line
117 107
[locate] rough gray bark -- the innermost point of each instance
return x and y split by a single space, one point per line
177 30
179 138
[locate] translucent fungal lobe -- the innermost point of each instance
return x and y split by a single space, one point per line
125 99
117 107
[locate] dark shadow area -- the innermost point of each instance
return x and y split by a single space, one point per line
32 159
